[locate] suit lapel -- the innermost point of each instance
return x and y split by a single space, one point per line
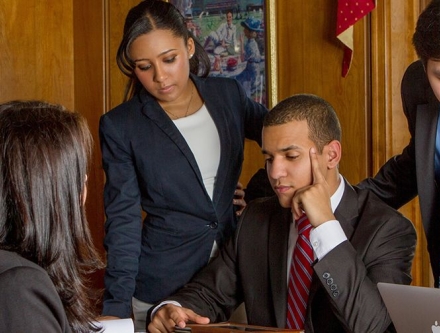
278 244
156 114
214 105
426 126
347 211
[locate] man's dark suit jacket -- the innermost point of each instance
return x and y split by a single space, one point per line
412 172
28 299
343 298
149 164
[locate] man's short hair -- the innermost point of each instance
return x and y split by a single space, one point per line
321 118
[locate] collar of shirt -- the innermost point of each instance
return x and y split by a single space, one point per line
335 199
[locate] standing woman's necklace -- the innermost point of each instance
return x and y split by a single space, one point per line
187 108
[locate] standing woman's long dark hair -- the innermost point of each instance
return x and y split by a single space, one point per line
44 153
151 15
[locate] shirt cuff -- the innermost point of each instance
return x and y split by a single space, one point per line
162 304
326 237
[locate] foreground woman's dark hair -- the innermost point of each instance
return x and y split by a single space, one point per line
44 153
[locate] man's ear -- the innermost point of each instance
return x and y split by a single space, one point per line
333 151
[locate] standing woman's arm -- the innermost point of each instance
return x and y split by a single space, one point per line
123 221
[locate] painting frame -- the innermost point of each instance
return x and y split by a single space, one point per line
270 73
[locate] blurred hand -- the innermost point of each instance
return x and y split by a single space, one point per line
239 199
170 315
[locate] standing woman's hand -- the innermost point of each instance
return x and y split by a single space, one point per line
238 200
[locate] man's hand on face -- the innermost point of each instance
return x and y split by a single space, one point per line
314 199
169 316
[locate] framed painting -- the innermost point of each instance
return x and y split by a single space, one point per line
239 37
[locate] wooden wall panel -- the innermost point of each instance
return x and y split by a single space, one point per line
392 51
116 14
54 51
309 61
36 57
90 100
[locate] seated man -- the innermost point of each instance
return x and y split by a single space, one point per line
355 241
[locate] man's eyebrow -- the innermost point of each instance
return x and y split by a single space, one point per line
292 147
283 150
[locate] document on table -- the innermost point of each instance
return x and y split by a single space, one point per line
117 325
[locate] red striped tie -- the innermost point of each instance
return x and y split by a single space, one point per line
300 276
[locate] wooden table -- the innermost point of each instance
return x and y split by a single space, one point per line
229 327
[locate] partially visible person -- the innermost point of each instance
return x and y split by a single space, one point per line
416 171
174 150
46 250
258 187
250 77
192 26
224 39
355 241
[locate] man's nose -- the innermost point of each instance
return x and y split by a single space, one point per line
277 169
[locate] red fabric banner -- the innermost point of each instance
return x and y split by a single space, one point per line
349 12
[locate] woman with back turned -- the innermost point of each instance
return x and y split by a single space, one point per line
45 245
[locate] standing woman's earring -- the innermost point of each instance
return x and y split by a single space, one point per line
191 55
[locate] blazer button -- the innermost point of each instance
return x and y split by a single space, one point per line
213 225
326 275
336 293
333 287
329 281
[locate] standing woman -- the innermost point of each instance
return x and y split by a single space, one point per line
46 249
173 149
